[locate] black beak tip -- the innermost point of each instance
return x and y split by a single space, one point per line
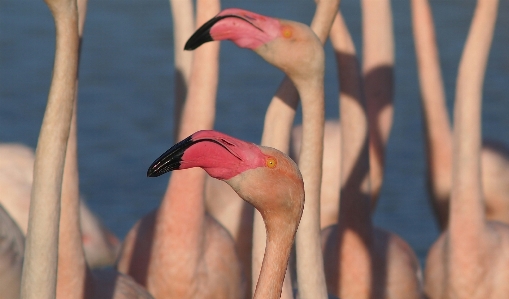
196 41
201 35
153 171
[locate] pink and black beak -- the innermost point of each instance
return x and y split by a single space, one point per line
171 159
203 34
220 155
205 149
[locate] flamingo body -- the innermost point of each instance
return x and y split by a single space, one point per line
16 173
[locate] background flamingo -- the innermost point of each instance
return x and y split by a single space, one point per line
361 261
472 248
16 176
438 133
54 236
378 73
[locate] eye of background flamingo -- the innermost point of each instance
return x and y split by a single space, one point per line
287 32
271 162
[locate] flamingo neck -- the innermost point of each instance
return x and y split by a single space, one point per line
40 267
467 205
437 124
275 260
354 211
72 267
310 273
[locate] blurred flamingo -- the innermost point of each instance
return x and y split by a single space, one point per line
439 145
53 243
361 261
16 176
378 74
471 257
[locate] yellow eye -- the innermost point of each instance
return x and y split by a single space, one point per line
287 32
271 162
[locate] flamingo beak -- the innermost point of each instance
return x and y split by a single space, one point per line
202 34
171 159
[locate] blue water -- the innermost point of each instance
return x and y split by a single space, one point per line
125 112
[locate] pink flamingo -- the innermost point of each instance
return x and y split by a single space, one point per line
471 257
48 246
269 37
251 171
16 176
494 156
377 68
179 250
361 261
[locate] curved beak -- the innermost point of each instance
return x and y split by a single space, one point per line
202 34
171 159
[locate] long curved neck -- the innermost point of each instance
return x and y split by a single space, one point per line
467 205
310 272
354 211
279 243
308 243
40 266
436 119
378 73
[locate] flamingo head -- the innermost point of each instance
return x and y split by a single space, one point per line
246 29
263 176
285 44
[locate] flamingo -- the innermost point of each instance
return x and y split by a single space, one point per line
178 250
378 65
494 155
39 276
266 36
251 171
16 174
470 259
48 246
361 261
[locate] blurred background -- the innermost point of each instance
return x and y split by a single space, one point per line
126 93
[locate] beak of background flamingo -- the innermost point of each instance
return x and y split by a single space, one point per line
202 34
171 159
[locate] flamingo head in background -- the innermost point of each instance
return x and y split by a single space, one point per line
268 37
262 176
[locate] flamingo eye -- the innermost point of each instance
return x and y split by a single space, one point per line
271 162
287 32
